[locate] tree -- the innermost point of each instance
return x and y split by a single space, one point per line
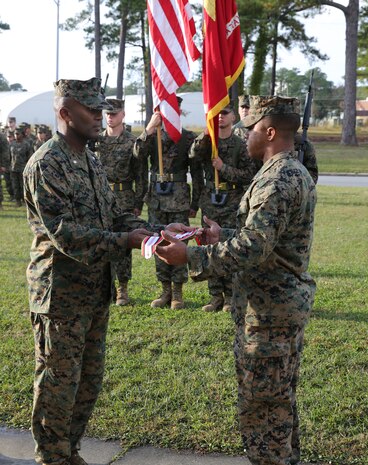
274 23
351 12
362 46
4 26
4 84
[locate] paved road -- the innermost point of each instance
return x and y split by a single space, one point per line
343 181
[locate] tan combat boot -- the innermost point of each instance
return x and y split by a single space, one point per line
177 296
227 304
122 297
165 297
216 303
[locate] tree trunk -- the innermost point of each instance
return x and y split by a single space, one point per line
351 12
274 59
121 60
259 62
97 40
349 122
146 70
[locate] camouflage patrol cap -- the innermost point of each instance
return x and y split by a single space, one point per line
88 93
19 130
116 104
229 107
12 119
261 106
244 101
42 130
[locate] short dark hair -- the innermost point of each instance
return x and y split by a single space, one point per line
289 122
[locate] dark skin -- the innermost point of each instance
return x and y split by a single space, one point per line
78 124
264 141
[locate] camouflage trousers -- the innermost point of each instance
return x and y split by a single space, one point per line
70 354
17 184
165 272
8 183
123 268
226 219
267 364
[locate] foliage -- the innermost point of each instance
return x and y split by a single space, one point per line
170 377
4 84
4 26
362 45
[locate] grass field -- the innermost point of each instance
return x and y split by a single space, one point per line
170 377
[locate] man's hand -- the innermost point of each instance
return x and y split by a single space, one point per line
217 163
210 235
154 123
136 237
173 254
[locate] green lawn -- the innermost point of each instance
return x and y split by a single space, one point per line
335 158
170 378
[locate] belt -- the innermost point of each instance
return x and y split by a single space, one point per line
223 186
170 177
121 186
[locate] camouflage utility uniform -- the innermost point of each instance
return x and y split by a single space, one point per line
127 178
20 152
174 205
268 255
235 175
72 213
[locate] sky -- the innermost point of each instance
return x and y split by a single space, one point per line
28 49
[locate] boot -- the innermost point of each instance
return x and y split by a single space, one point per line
165 297
76 459
216 303
177 296
122 297
227 304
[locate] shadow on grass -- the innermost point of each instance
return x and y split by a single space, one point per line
339 274
321 314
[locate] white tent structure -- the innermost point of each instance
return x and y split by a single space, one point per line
37 108
31 107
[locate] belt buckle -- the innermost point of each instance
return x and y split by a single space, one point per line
112 184
222 186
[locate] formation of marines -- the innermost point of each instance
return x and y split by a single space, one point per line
17 144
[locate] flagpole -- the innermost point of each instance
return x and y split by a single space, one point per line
159 148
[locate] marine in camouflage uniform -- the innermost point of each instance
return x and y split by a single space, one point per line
176 204
126 176
236 171
76 221
243 109
309 159
9 187
268 253
20 152
41 137
4 163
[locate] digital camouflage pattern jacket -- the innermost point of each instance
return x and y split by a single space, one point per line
73 214
127 175
176 163
268 253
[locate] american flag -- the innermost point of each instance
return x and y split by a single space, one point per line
173 51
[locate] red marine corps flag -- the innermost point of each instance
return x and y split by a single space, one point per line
223 59
171 29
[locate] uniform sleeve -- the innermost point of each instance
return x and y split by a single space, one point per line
201 147
249 247
50 213
143 145
245 170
